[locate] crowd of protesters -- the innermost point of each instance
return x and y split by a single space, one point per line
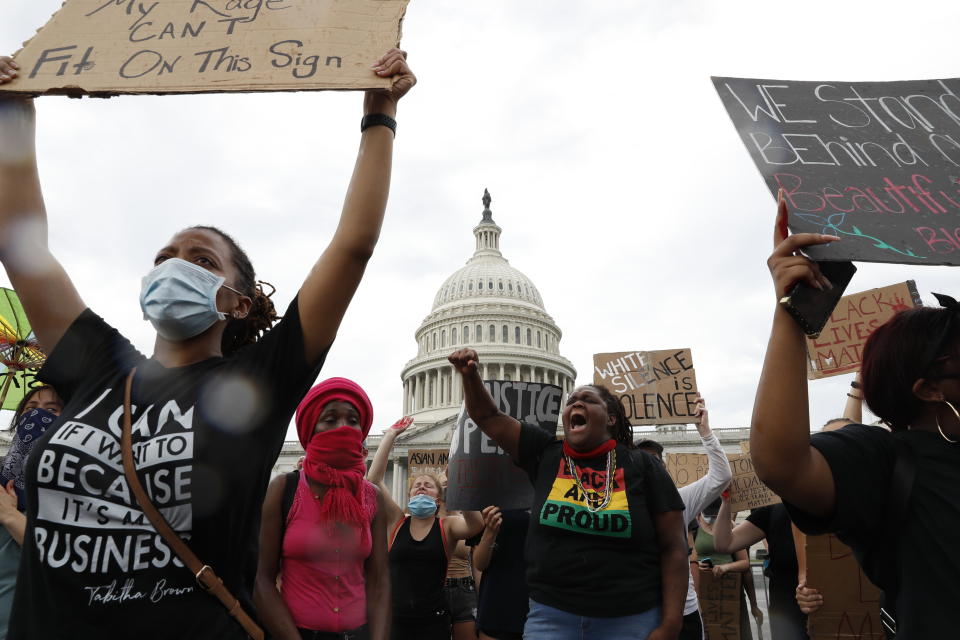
196 541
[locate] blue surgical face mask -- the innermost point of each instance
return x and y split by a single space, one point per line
422 506
180 299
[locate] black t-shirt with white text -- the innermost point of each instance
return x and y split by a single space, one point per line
862 460
205 438
603 564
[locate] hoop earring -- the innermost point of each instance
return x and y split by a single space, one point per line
937 419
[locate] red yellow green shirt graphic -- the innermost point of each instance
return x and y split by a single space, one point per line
566 507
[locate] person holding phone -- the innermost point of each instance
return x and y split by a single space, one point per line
209 410
893 498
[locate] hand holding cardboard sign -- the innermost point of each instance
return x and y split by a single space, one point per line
703 419
465 361
492 519
787 265
393 64
808 598
8 69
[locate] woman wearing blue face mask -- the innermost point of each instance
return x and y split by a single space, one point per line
207 413
38 410
420 547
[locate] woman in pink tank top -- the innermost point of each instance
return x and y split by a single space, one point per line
328 554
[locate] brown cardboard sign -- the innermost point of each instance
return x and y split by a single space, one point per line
654 387
109 47
720 605
687 468
427 461
839 347
746 490
851 603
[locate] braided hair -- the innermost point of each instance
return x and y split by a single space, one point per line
243 331
622 432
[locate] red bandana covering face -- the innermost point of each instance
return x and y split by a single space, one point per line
335 458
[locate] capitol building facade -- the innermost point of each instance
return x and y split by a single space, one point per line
492 307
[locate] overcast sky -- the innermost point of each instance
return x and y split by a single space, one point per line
621 186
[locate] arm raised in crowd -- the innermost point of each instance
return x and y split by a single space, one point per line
853 409
483 551
330 285
780 428
378 469
503 429
697 495
46 291
729 539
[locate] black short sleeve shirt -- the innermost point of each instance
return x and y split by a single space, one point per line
601 564
205 438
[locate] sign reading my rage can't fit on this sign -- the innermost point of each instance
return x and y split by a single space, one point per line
109 47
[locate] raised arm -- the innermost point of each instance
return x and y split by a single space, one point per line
730 539
481 408
853 409
48 296
271 608
378 469
483 551
330 286
697 495
780 428
466 525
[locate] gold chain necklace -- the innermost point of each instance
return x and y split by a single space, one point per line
594 500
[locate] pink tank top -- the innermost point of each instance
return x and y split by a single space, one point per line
323 565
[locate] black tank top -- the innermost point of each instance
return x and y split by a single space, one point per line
418 572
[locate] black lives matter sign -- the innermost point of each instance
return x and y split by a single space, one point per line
875 163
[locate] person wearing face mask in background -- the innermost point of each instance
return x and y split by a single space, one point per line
329 548
37 410
420 548
209 410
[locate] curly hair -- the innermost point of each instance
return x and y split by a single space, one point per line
622 431
243 331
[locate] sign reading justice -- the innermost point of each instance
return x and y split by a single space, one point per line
108 47
875 163
654 387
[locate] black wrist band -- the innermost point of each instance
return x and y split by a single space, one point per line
375 119
855 385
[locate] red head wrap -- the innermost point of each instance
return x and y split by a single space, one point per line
328 391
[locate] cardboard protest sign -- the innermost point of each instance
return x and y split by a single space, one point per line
654 387
839 347
851 603
720 606
480 473
426 461
109 47
875 163
746 490
687 468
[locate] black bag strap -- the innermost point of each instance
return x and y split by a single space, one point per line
901 488
289 490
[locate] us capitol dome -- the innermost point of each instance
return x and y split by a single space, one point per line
492 307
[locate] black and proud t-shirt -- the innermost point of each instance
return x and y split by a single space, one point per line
862 459
601 564
205 437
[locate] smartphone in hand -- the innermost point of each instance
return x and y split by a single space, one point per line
810 307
